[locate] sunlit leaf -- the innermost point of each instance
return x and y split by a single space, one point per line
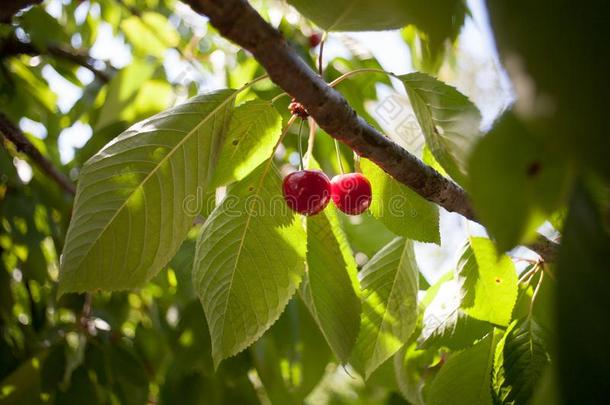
390 285
465 378
520 361
399 208
488 281
133 204
330 287
445 324
448 119
122 92
253 131
150 33
249 261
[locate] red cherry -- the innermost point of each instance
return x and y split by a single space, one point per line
315 39
307 191
351 193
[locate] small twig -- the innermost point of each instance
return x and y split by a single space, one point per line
79 58
86 312
13 46
12 133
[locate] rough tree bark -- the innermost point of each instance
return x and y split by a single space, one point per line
239 22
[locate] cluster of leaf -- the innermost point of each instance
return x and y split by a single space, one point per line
233 297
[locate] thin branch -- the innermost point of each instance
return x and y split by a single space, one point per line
13 46
11 7
12 133
239 22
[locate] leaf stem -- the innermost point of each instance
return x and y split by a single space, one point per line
358 71
310 140
529 274
345 76
274 99
252 82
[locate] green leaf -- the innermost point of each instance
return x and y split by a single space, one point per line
358 15
122 91
515 182
292 356
455 330
440 19
583 300
448 119
488 282
445 324
83 385
254 130
466 376
411 367
129 213
53 368
399 208
249 261
42 28
22 386
330 287
520 361
390 284
365 233
150 34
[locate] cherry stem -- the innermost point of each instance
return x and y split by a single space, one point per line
527 276
310 141
320 56
270 160
300 145
339 156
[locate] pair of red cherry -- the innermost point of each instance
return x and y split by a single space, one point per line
309 191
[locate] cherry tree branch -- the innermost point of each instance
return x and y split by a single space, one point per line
12 133
238 21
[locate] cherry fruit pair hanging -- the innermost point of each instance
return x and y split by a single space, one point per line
308 192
